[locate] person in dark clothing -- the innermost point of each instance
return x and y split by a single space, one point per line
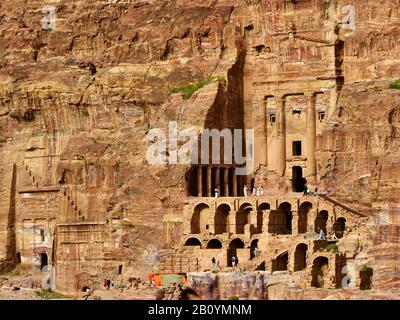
213 262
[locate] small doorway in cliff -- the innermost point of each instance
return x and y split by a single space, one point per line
43 261
366 274
319 272
280 263
232 251
298 181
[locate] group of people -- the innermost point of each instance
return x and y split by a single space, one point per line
215 263
257 192
322 236
107 283
308 192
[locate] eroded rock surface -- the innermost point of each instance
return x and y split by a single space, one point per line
77 100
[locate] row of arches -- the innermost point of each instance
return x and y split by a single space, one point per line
280 221
280 263
216 244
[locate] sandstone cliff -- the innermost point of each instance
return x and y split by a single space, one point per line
76 102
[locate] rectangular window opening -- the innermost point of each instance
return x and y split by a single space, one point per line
42 236
272 118
297 148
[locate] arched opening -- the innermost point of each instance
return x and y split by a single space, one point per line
253 248
319 272
232 251
85 289
214 244
280 221
298 180
300 257
320 221
200 218
261 266
280 263
192 242
242 217
304 210
190 294
260 213
221 219
43 261
339 227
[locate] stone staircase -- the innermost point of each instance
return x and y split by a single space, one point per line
336 203
72 211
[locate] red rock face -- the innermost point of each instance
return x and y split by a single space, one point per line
77 98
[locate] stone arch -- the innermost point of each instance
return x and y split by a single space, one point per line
214 244
200 217
319 271
280 220
190 294
321 221
300 257
263 206
339 227
221 218
192 242
304 210
242 217
232 251
280 263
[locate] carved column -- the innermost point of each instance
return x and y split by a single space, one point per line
281 136
311 139
226 181
208 181
200 181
